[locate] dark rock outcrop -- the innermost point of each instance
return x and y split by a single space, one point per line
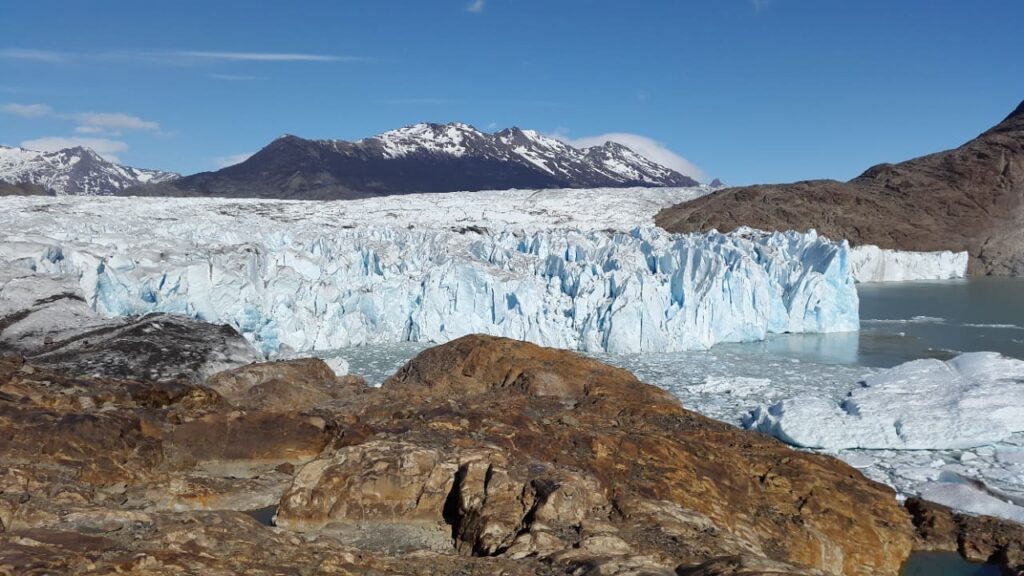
976 538
970 198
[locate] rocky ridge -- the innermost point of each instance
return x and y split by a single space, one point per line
969 198
481 456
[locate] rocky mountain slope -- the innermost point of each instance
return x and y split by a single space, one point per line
422 158
71 171
970 198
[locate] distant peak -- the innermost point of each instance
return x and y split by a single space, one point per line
1012 123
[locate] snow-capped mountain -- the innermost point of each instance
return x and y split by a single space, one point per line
424 158
73 171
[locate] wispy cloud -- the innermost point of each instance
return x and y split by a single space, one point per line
108 149
647 147
32 55
113 121
476 6
759 5
266 56
230 160
173 57
26 110
233 77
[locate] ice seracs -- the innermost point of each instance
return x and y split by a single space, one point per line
972 400
287 275
874 264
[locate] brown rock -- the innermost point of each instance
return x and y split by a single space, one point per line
535 444
283 386
242 444
976 538
970 198
745 566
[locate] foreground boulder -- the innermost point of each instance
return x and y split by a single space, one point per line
481 456
513 450
976 538
970 198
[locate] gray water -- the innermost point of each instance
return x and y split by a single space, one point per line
900 321
944 564
909 320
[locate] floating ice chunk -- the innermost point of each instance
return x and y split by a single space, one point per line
338 364
967 497
735 385
971 400
874 264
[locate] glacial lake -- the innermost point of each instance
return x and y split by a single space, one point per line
905 321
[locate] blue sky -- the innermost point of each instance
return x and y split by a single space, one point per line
746 90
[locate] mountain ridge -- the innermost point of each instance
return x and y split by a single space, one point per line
423 157
968 198
71 171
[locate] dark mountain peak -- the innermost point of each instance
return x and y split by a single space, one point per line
425 157
615 147
1013 123
1018 112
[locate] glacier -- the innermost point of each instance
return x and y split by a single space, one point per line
873 264
301 277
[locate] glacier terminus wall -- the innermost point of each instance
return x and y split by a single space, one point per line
291 277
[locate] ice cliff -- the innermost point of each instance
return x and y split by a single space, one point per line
307 285
874 264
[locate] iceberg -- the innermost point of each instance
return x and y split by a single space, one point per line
874 264
287 277
972 400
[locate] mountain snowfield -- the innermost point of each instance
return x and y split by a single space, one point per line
73 171
611 161
301 277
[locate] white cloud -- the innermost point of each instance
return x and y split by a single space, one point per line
114 121
230 160
31 55
476 6
106 148
88 130
759 4
27 110
175 57
646 147
266 56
